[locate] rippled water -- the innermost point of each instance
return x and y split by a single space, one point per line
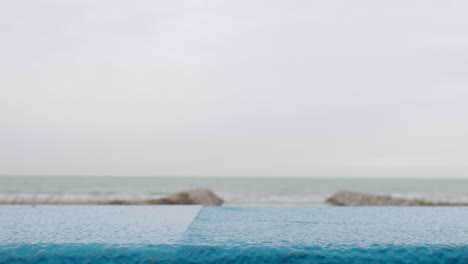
195 234
236 191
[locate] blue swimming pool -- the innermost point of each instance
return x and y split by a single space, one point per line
194 234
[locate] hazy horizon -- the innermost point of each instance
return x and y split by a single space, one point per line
235 89
351 176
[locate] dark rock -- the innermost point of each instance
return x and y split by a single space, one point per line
347 198
197 196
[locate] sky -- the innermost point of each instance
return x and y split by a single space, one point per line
234 88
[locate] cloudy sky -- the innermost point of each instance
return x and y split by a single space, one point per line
234 88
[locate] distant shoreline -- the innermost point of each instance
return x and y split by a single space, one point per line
234 191
254 204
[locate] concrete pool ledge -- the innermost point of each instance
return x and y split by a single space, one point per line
194 234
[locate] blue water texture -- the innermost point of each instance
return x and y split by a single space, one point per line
195 234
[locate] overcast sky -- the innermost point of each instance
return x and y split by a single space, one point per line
234 88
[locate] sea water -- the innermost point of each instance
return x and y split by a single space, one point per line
194 234
235 191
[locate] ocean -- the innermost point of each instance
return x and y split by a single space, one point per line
239 191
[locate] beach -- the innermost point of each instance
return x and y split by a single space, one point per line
234 191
